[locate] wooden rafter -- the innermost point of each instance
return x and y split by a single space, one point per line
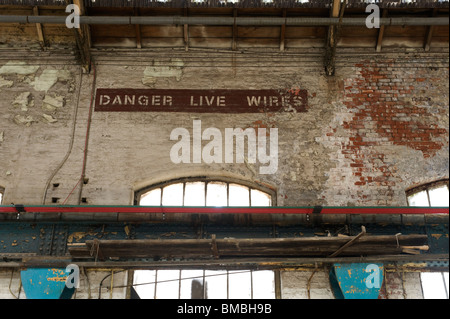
337 10
381 32
83 39
429 36
138 31
40 31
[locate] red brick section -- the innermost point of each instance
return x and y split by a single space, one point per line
388 101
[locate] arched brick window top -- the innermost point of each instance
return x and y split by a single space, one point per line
434 194
204 191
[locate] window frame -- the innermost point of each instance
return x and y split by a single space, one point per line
2 194
426 187
208 179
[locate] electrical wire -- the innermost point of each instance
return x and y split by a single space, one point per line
88 129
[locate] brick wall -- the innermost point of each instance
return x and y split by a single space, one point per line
376 128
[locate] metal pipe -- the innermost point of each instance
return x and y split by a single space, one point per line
254 21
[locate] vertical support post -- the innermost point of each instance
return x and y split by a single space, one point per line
186 32
137 28
83 39
235 31
283 33
333 35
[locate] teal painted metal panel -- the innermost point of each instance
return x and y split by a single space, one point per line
45 283
357 280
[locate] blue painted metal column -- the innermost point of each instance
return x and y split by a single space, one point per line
46 283
356 280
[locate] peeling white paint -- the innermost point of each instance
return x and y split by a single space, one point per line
48 78
5 83
23 100
21 68
49 118
23 120
162 70
51 103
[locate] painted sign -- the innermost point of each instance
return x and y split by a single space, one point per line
200 101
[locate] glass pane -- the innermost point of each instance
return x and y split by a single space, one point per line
168 284
263 284
194 194
418 199
216 194
141 277
1 196
151 198
238 195
433 285
173 195
439 196
260 198
216 284
191 284
239 285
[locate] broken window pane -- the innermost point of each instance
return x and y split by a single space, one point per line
259 198
173 195
216 194
239 195
151 198
418 199
194 194
439 196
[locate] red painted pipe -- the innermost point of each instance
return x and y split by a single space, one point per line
224 210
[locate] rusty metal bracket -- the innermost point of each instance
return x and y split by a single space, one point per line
349 243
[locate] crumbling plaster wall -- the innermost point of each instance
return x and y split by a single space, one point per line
376 128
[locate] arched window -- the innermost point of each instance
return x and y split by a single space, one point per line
1 194
433 195
201 283
203 191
